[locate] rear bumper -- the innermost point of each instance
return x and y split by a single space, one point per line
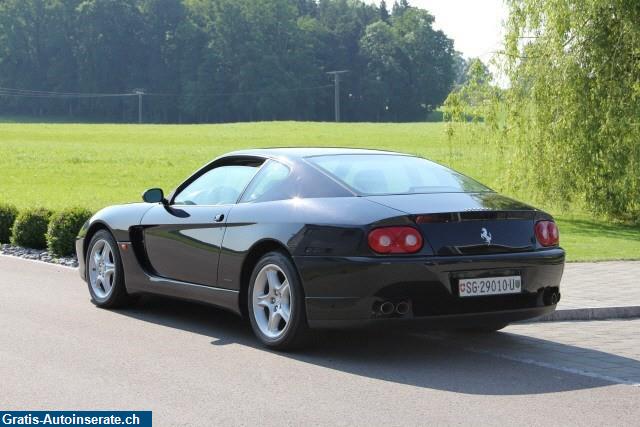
344 291
451 321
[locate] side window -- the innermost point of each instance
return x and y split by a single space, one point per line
219 186
268 184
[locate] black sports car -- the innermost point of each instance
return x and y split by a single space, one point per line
298 238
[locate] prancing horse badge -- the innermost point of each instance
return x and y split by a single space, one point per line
485 235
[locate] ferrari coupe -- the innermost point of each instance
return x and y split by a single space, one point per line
301 238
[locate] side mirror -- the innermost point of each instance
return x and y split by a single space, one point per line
154 195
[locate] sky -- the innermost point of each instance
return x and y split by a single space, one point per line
474 25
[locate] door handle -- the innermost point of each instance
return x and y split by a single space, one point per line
218 218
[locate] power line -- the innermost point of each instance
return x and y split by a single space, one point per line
255 92
23 95
26 93
47 94
140 93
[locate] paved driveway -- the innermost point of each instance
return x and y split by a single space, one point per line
194 365
600 284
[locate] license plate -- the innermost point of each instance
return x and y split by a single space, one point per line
482 286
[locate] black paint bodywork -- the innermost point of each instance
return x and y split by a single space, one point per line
206 253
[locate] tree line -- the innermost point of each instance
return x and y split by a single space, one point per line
222 60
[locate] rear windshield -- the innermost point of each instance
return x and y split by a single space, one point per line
375 174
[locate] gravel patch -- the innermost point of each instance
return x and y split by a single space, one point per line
37 254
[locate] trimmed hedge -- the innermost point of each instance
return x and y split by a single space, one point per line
8 214
30 228
63 229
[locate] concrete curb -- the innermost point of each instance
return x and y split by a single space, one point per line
597 313
38 261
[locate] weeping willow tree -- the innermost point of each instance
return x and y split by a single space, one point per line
472 110
572 111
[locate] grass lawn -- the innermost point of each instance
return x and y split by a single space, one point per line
94 165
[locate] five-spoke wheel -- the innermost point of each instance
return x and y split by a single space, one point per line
276 302
102 268
272 301
104 272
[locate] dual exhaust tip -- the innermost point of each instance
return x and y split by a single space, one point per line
387 308
551 297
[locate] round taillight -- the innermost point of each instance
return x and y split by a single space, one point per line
547 233
395 240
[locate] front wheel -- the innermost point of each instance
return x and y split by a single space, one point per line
276 303
105 275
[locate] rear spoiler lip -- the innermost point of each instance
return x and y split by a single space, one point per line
479 215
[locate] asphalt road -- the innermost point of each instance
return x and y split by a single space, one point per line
195 365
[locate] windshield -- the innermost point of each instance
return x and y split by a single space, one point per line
376 174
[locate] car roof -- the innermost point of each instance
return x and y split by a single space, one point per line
301 152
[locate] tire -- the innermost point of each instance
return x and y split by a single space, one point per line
104 272
276 303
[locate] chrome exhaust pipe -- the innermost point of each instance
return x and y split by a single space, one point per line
386 308
552 298
402 308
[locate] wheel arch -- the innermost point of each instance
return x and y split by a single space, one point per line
91 231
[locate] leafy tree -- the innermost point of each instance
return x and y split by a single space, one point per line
568 124
475 99
221 60
384 12
460 66
307 8
381 48
35 49
163 46
399 7
428 64
109 53
574 101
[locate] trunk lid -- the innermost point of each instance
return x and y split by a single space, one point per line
468 223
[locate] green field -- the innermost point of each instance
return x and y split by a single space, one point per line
94 165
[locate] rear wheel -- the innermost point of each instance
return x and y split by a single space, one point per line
276 303
105 275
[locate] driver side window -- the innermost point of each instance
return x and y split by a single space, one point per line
219 186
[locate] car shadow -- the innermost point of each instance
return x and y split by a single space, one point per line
437 360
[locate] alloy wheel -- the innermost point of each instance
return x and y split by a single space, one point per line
102 269
272 302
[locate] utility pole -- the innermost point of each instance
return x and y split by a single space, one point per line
336 91
139 92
